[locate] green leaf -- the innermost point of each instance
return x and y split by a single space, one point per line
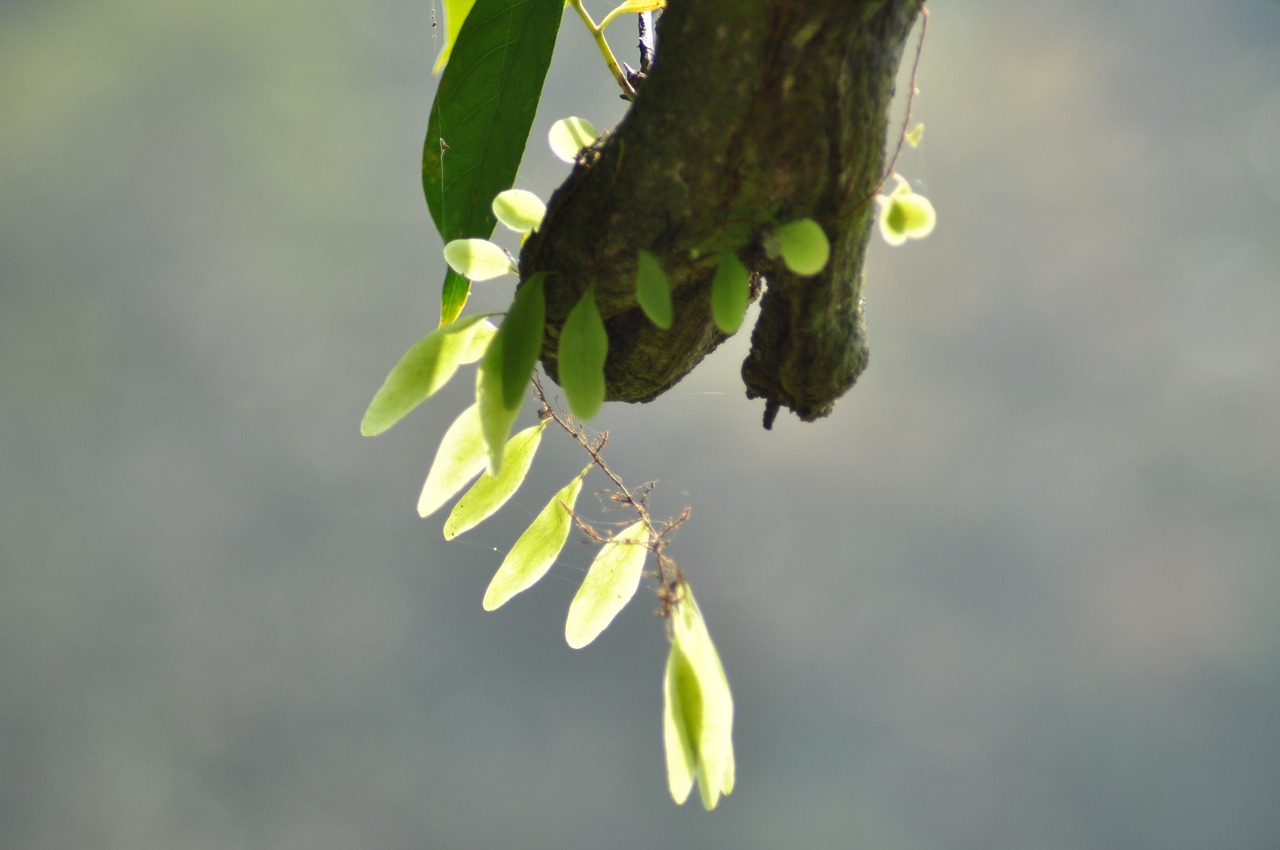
459 458
905 215
508 362
730 293
480 120
491 492
653 290
519 210
478 259
424 368
613 578
584 346
570 135
804 246
455 12
697 709
913 137
537 548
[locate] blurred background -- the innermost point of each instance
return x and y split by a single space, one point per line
1020 590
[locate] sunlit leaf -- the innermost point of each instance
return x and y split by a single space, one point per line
424 368
537 549
519 210
480 120
570 135
613 578
730 293
633 7
460 457
583 348
503 378
698 709
914 135
804 246
491 492
478 259
904 214
653 290
455 12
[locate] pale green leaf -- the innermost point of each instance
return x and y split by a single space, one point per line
700 708
503 377
425 368
633 7
455 12
730 293
905 215
537 548
914 135
583 348
613 578
519 210
570 135
804 246
460 457
653 290
491 492
478 259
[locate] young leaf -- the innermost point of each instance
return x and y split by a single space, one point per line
730 292
570 135
584 345
611 581
508 362
804 246
519 210
653 290
915 135
480 120
491 492
424 368
537 548
905 215
478 259
459 458
698 710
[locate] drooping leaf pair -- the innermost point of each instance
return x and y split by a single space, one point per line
904 214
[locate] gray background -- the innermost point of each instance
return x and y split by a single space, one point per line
1019 591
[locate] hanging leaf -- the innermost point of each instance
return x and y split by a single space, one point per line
904 214
425 368
478 259
730 293
537 548
804 246
570 135
697 710
584 345
915 135
653 290
508 362
460 457
491 492
519 210
480 120
613 578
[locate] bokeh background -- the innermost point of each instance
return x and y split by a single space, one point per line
1020 590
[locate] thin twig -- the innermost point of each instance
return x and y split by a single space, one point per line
911 96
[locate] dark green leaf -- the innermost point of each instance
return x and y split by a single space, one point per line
653 290
480 120
504 372
730 293
584 345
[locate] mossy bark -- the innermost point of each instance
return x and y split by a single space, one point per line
756 112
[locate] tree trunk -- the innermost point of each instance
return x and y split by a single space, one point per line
755 113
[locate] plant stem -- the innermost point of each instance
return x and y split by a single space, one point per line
601 42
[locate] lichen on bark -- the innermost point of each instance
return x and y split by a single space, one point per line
755 113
